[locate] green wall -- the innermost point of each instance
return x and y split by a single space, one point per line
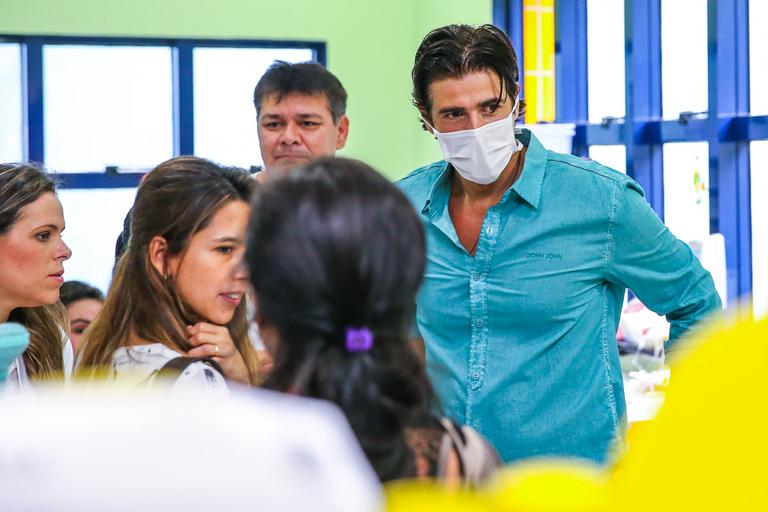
370 47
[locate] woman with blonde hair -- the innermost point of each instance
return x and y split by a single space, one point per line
32 254
177 295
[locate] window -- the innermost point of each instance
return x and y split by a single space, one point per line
94 103
605 59
118 112
225 117
684 57
11 128
759 187
758 56
686 190
94 218
613 156
539 60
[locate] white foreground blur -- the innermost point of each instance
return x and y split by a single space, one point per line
127 449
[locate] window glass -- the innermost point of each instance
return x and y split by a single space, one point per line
11 149
686 189
758 56
107 106
605 58
225 117
94 218
539 60
759 187
613 156
683 56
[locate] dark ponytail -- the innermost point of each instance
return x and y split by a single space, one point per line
334 246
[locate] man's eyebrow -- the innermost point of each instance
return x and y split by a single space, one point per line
491 103
447 110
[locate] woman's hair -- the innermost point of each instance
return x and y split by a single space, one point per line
20 185
335 247
73 291
175 200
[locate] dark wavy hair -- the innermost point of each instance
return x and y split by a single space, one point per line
455 50
333 245
73 291
20 185
306 78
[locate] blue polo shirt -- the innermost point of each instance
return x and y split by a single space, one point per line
521 338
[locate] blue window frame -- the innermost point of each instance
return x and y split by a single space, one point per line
32 64
727 126
142 81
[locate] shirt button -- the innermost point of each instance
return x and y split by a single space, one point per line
489 231
475 276
475 375
479 322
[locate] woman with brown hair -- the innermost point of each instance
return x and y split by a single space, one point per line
178 289
32 254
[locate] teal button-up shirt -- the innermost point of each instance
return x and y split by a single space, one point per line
521 338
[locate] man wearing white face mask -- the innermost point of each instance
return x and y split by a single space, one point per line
529 255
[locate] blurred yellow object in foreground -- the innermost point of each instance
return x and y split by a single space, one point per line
706 450
427 496
549 485
708 447
536 486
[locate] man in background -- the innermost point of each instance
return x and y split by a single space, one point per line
301 115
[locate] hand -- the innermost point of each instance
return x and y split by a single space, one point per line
214 342
265 363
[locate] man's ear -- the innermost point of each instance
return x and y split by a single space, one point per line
158 255
426 120
342 132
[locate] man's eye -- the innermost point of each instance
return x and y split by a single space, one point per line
310 123
272 126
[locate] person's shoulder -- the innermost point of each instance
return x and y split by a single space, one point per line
571 167
479 459
202 372
420 181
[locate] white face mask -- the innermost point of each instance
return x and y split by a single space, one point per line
480 154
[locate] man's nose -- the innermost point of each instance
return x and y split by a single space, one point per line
290 135
475 120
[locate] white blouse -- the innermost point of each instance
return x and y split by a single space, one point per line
140 364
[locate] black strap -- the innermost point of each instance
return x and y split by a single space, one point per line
176 366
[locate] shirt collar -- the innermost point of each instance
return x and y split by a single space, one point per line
528 186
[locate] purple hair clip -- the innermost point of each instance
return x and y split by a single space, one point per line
359 340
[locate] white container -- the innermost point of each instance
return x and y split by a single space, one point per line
557 137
